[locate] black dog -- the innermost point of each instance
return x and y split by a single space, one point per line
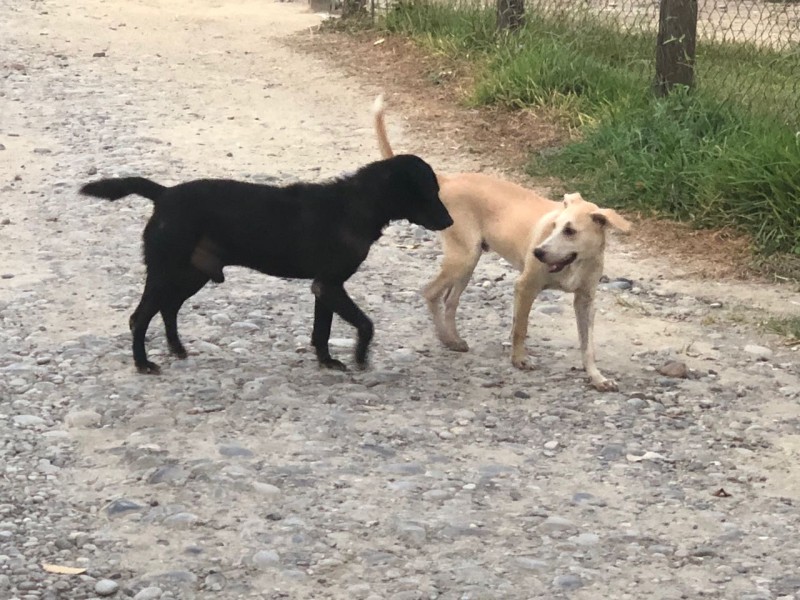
317 231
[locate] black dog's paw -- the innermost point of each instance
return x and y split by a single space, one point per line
179 352
362 358
149 368
332 363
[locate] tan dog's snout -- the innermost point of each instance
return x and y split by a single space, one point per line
555 263
548 255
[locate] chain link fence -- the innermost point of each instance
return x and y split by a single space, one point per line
748 51
764 24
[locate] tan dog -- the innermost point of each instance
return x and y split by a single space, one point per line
556 245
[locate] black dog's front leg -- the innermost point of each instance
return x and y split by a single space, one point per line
333 297
323 317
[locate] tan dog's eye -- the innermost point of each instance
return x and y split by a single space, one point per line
569 231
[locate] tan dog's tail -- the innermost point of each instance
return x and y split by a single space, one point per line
380 128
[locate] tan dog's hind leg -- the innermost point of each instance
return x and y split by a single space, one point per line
584 314
526 288
457 266
433 294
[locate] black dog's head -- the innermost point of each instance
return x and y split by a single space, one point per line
417 193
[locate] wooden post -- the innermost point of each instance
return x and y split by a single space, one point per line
510 14
675 45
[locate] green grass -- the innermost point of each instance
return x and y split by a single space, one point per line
788 327
725 155
691 159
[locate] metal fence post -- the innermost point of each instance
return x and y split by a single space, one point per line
675 45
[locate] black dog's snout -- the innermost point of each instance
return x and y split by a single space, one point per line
539 254
437 220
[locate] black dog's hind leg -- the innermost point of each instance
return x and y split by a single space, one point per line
168 246
323 318
334 298
139 321
183 287
134 316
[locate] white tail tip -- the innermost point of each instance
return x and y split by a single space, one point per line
377 106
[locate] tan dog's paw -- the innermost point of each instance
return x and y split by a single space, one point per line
457 345
523 363
605 385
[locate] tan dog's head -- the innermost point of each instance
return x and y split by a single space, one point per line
575 232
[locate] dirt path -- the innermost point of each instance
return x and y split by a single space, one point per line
244 471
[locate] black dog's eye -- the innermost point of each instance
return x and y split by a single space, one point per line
569 231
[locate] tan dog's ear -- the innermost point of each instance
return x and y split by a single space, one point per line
608 216
572 198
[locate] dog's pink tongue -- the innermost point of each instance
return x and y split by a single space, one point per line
554 268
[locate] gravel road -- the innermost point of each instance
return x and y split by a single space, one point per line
247 472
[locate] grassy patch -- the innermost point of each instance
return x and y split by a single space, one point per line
691 159
725 155
788 327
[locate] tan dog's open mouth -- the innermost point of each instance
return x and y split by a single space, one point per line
560 266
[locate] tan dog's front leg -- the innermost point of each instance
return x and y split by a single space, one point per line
584 314
525 292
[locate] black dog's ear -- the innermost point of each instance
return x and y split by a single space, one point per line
418 175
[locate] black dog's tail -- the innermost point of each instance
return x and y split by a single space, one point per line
116 188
